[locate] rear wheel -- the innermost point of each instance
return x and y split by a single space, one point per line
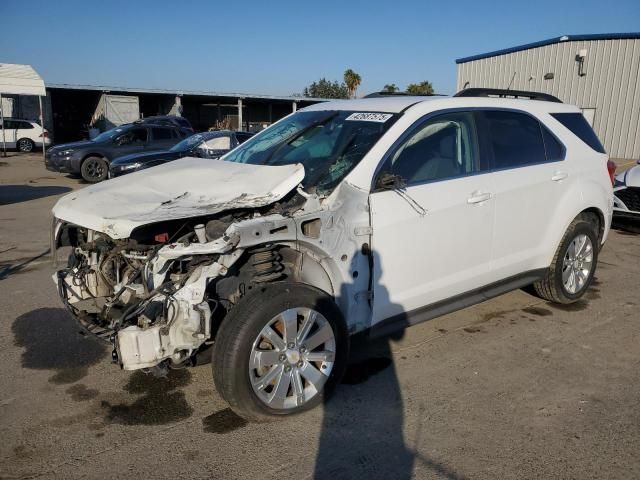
26 145
94 169
280 351
573 265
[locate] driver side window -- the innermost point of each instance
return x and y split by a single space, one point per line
132 137
443 147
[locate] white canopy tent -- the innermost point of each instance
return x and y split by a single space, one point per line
20 80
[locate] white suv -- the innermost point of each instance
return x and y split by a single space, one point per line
24 135
347 216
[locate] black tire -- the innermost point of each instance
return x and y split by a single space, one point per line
94 169
551 287
26 145
232 350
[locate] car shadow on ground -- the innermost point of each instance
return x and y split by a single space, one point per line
11 194
362 433
53 341
9 268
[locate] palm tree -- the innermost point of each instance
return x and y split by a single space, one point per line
352 80
390 88
422 88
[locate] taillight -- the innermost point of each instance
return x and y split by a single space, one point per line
611 168
44 134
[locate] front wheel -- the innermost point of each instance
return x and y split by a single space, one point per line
94 169
280 351
573 265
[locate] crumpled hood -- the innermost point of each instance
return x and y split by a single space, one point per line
187 187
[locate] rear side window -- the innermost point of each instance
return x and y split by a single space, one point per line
219 143
555 150
24 125
161 133
580 128
515 138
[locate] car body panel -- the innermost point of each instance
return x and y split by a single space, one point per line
627 193
179 189
107 148
14 132
380 253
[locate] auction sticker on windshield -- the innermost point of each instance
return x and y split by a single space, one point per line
369 117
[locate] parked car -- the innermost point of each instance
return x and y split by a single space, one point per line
205 145
169 121
344 217
91 158
24 135
626 200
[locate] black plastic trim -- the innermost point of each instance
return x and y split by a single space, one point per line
503 93
458 302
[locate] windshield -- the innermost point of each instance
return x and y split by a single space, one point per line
108 134
328 143
188 143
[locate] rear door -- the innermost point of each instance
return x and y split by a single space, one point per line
8 134
162 138
529 177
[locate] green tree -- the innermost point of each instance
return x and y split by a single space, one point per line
390 88
324 88
352 80
422 88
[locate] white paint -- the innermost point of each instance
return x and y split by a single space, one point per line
181 189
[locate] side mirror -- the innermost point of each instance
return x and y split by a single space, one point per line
389 181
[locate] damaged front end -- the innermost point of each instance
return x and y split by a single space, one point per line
157 295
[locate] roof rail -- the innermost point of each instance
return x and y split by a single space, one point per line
503 93
402 94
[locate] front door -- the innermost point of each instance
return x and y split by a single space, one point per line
432 240
133 140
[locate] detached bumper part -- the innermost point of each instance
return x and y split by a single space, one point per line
137 347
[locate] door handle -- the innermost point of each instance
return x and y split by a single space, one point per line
559 176
478 197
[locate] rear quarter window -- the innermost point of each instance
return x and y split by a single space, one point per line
580 128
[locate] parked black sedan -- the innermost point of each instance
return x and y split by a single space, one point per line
205 145
91 158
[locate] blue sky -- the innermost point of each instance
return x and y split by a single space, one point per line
279 47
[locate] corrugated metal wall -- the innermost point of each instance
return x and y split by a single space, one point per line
610 84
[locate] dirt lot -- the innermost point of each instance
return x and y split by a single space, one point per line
512 388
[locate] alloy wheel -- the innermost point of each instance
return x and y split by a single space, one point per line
25 145
577 264
292 358
95 169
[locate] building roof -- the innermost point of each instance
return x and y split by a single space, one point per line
104 88
550 41
20 80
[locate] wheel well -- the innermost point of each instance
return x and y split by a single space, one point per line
93 155
595 216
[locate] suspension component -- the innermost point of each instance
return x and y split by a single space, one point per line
267 264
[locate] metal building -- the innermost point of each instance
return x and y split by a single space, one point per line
598 73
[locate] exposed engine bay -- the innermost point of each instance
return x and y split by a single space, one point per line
160 295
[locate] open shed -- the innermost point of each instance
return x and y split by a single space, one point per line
20 80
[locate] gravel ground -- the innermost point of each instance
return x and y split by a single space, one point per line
512 388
